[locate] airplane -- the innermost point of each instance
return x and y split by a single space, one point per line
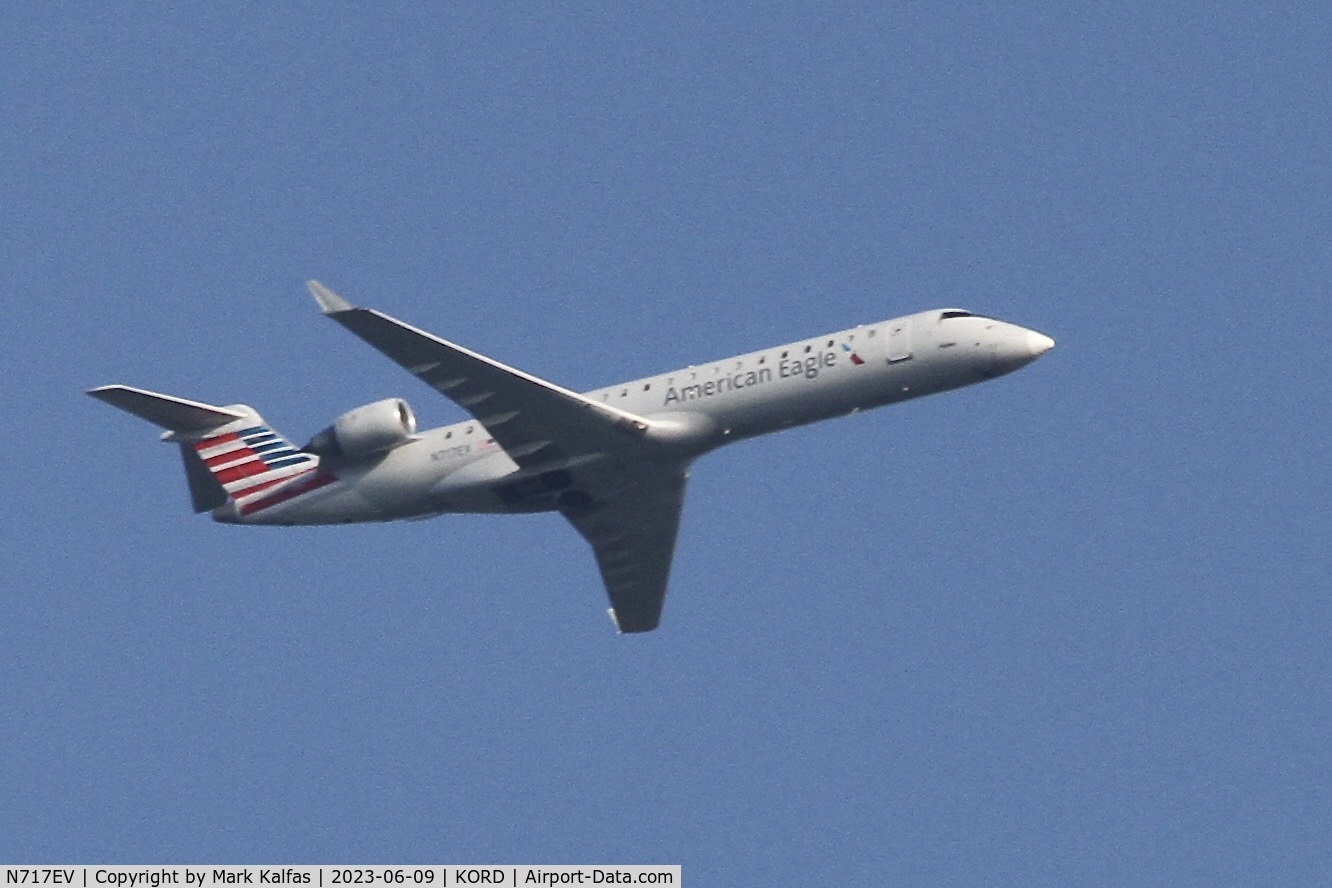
613 461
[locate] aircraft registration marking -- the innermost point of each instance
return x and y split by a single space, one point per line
451 452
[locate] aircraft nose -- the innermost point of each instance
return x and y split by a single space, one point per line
1038 343
1014 347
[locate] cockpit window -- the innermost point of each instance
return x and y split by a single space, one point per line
954 314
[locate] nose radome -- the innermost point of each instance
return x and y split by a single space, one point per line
1038 343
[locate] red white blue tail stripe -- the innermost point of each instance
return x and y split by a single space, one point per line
259 468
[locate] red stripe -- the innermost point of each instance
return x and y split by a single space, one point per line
288 493
244 470
264 485
214 442
230 456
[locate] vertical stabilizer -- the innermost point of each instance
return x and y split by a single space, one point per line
206 494
249 461
231 455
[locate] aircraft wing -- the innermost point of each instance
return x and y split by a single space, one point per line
629 507
537 422
632 533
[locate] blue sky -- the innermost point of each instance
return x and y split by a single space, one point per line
1068 627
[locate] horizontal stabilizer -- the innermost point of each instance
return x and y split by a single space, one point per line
173 414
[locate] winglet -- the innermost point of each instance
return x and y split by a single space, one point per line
329 302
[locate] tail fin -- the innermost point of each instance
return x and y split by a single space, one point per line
230 453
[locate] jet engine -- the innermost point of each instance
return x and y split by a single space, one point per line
367 431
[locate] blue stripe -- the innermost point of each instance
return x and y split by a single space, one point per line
289 461
243 432
278 454
262 448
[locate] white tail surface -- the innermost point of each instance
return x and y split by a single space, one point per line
230 453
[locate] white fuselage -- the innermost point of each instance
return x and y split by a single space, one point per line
460 468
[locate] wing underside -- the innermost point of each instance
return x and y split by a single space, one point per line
632 534
628 499
536 422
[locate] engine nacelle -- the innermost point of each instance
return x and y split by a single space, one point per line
366 431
